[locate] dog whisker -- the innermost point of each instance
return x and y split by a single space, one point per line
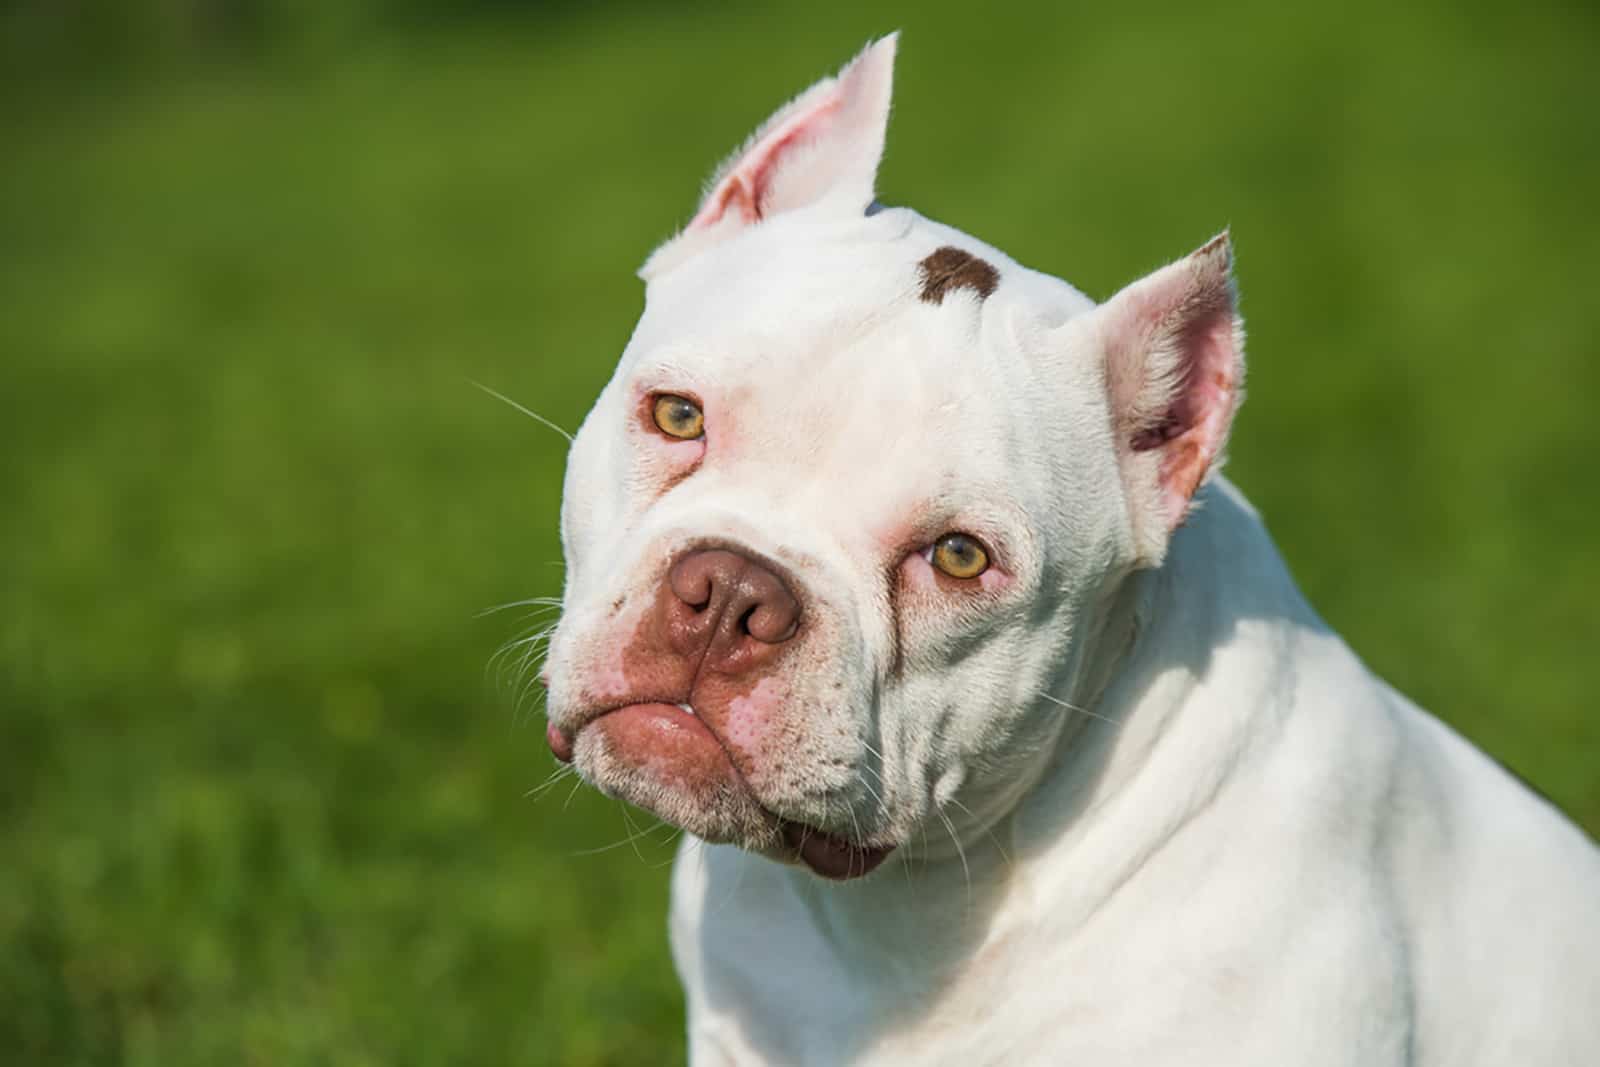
634 836
633 832
989 832
543 604
855 825
1080 711
966 871
529 651
543 787
534 415
674 836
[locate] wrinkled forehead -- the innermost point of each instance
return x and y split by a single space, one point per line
882 354
897 306
787 272
803 266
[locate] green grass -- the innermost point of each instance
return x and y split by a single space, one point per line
258 801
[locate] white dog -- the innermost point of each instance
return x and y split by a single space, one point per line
894 562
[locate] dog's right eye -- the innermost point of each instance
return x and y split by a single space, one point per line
959 556
678 416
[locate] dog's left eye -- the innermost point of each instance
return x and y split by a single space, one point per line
959 556
678 416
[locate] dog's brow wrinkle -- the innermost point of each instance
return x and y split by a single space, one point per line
950 268
896 630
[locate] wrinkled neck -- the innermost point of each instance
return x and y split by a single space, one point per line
1167 691
1197 688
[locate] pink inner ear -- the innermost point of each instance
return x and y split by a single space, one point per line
1174 369
746 185
1195 426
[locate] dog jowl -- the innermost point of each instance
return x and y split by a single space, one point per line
894 562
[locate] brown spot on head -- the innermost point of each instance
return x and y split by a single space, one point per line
950 268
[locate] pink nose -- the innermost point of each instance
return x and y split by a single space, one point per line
720 612
727 610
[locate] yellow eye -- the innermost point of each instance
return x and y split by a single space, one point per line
960 556
678 416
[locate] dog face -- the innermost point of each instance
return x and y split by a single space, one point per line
842 525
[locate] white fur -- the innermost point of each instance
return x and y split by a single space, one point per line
1144 815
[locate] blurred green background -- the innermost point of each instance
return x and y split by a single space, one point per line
260 800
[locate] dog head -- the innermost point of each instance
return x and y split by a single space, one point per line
840 528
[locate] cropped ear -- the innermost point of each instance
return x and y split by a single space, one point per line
823 145
1174 368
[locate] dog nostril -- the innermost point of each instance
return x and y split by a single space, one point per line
693 582
748 600
770 623
697 597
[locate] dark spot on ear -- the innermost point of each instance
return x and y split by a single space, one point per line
950 268
874 207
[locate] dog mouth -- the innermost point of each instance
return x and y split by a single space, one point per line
831 855
666 759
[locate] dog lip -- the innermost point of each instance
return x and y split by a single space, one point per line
560 742
589 718
689 712
829 855
832 856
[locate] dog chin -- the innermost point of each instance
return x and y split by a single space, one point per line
661 758
658 758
